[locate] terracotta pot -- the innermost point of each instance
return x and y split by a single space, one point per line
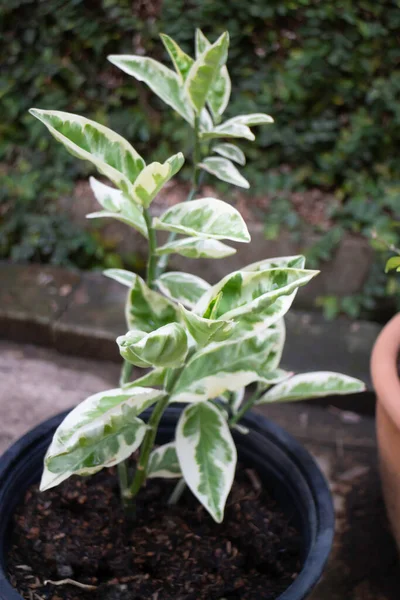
386 382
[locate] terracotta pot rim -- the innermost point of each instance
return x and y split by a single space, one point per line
384 373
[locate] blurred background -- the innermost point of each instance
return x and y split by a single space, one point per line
326 171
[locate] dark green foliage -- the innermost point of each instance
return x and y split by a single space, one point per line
327 71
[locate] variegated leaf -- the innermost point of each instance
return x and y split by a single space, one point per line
207 456
251 120
273 377
204 72
166 346
100 432
111 154
122 276
146 309
229 130
164 462
117 206
182 287
228 365
225 170
197 248
220 91
205 218
312 385
244 292
232 152
204 331
156 377
164 82
297 261
182 62
153 177
236 399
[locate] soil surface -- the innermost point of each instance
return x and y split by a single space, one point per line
78 531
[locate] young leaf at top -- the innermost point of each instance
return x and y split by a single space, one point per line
111 154
100 432
225 170
197 248
205 331
230 151
205 218
204 71
164 462
207 456
117 206
182 287
312 385
228 365
164 347
228 130
182 62
153 177
146 309
219 94
250 120
164 82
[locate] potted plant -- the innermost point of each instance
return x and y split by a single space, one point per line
185 420
385 371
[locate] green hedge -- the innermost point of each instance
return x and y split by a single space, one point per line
327 72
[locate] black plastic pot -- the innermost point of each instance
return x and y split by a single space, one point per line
289 471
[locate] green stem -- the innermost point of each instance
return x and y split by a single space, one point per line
152 257
150 436
244 408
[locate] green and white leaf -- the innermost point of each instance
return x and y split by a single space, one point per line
117 206
205 218
100 432
153 177
122 276
297 261
244 292
163 462
109 152
229 130
152 378
225 170
229 365
207 456
182 287
163 347
204 72
205 331
230 151
312 385
219 94
164 82
236 399
197 248
181 61
250 120
148 310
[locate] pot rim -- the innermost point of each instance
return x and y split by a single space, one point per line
384 373
322 508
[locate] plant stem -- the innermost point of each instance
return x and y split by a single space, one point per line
244 408
147 445
152 257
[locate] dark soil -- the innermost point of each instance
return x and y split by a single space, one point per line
79 531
